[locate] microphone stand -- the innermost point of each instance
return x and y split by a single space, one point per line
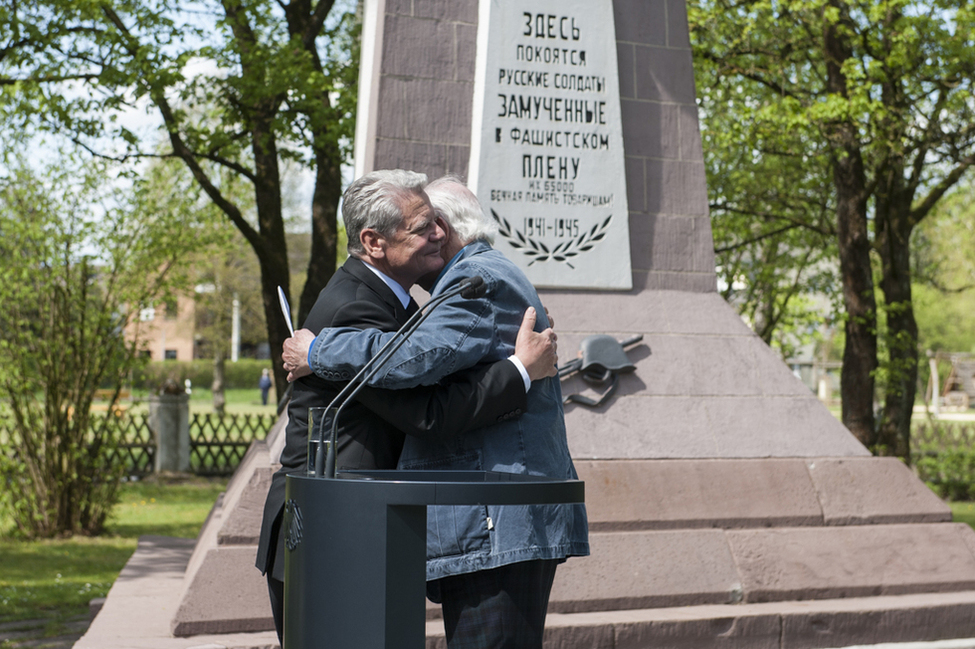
470 287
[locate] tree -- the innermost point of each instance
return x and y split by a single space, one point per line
771 218
77 260
879 95
224 276
944 289
240 85
944 247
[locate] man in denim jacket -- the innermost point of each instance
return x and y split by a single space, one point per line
492 567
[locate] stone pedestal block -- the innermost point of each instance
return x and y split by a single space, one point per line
169 420
222 591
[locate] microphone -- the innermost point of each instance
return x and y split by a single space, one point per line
475 288
468 288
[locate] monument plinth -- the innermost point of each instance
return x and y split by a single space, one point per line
716 481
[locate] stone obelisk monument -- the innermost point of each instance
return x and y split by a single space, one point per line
728 507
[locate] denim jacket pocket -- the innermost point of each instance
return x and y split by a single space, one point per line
454 530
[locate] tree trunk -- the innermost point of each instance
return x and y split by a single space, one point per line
893 227
894 435
328 190
328 164
219 399
273 254
274 273
269 242
860 353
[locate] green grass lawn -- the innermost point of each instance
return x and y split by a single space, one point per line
962 512
244 402
55 579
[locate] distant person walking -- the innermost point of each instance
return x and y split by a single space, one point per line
265 385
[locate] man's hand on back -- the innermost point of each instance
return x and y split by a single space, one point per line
295 354
538 352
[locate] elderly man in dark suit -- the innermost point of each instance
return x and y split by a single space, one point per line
394 238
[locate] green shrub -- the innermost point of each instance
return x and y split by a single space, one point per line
949 472
75 255
240 375
944 457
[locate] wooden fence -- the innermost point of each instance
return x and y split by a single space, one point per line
217 444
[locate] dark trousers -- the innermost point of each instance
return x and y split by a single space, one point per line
502 608
275 590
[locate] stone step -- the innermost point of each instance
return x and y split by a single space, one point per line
667 568
763 492
814 624
631 570
139 608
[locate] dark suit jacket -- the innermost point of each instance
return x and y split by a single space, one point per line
371 430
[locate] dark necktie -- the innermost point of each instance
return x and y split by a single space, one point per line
412 308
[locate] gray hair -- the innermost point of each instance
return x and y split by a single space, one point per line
459 207
375 201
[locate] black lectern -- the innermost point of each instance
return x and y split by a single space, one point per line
356 549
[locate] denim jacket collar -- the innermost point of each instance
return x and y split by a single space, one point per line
468 250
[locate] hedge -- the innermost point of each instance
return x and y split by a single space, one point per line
944 457
242 374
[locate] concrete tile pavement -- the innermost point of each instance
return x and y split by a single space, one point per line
139 608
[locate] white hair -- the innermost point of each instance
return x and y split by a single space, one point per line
459 207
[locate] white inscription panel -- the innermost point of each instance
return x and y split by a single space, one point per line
547 150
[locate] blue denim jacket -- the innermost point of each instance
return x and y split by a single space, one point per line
460 334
